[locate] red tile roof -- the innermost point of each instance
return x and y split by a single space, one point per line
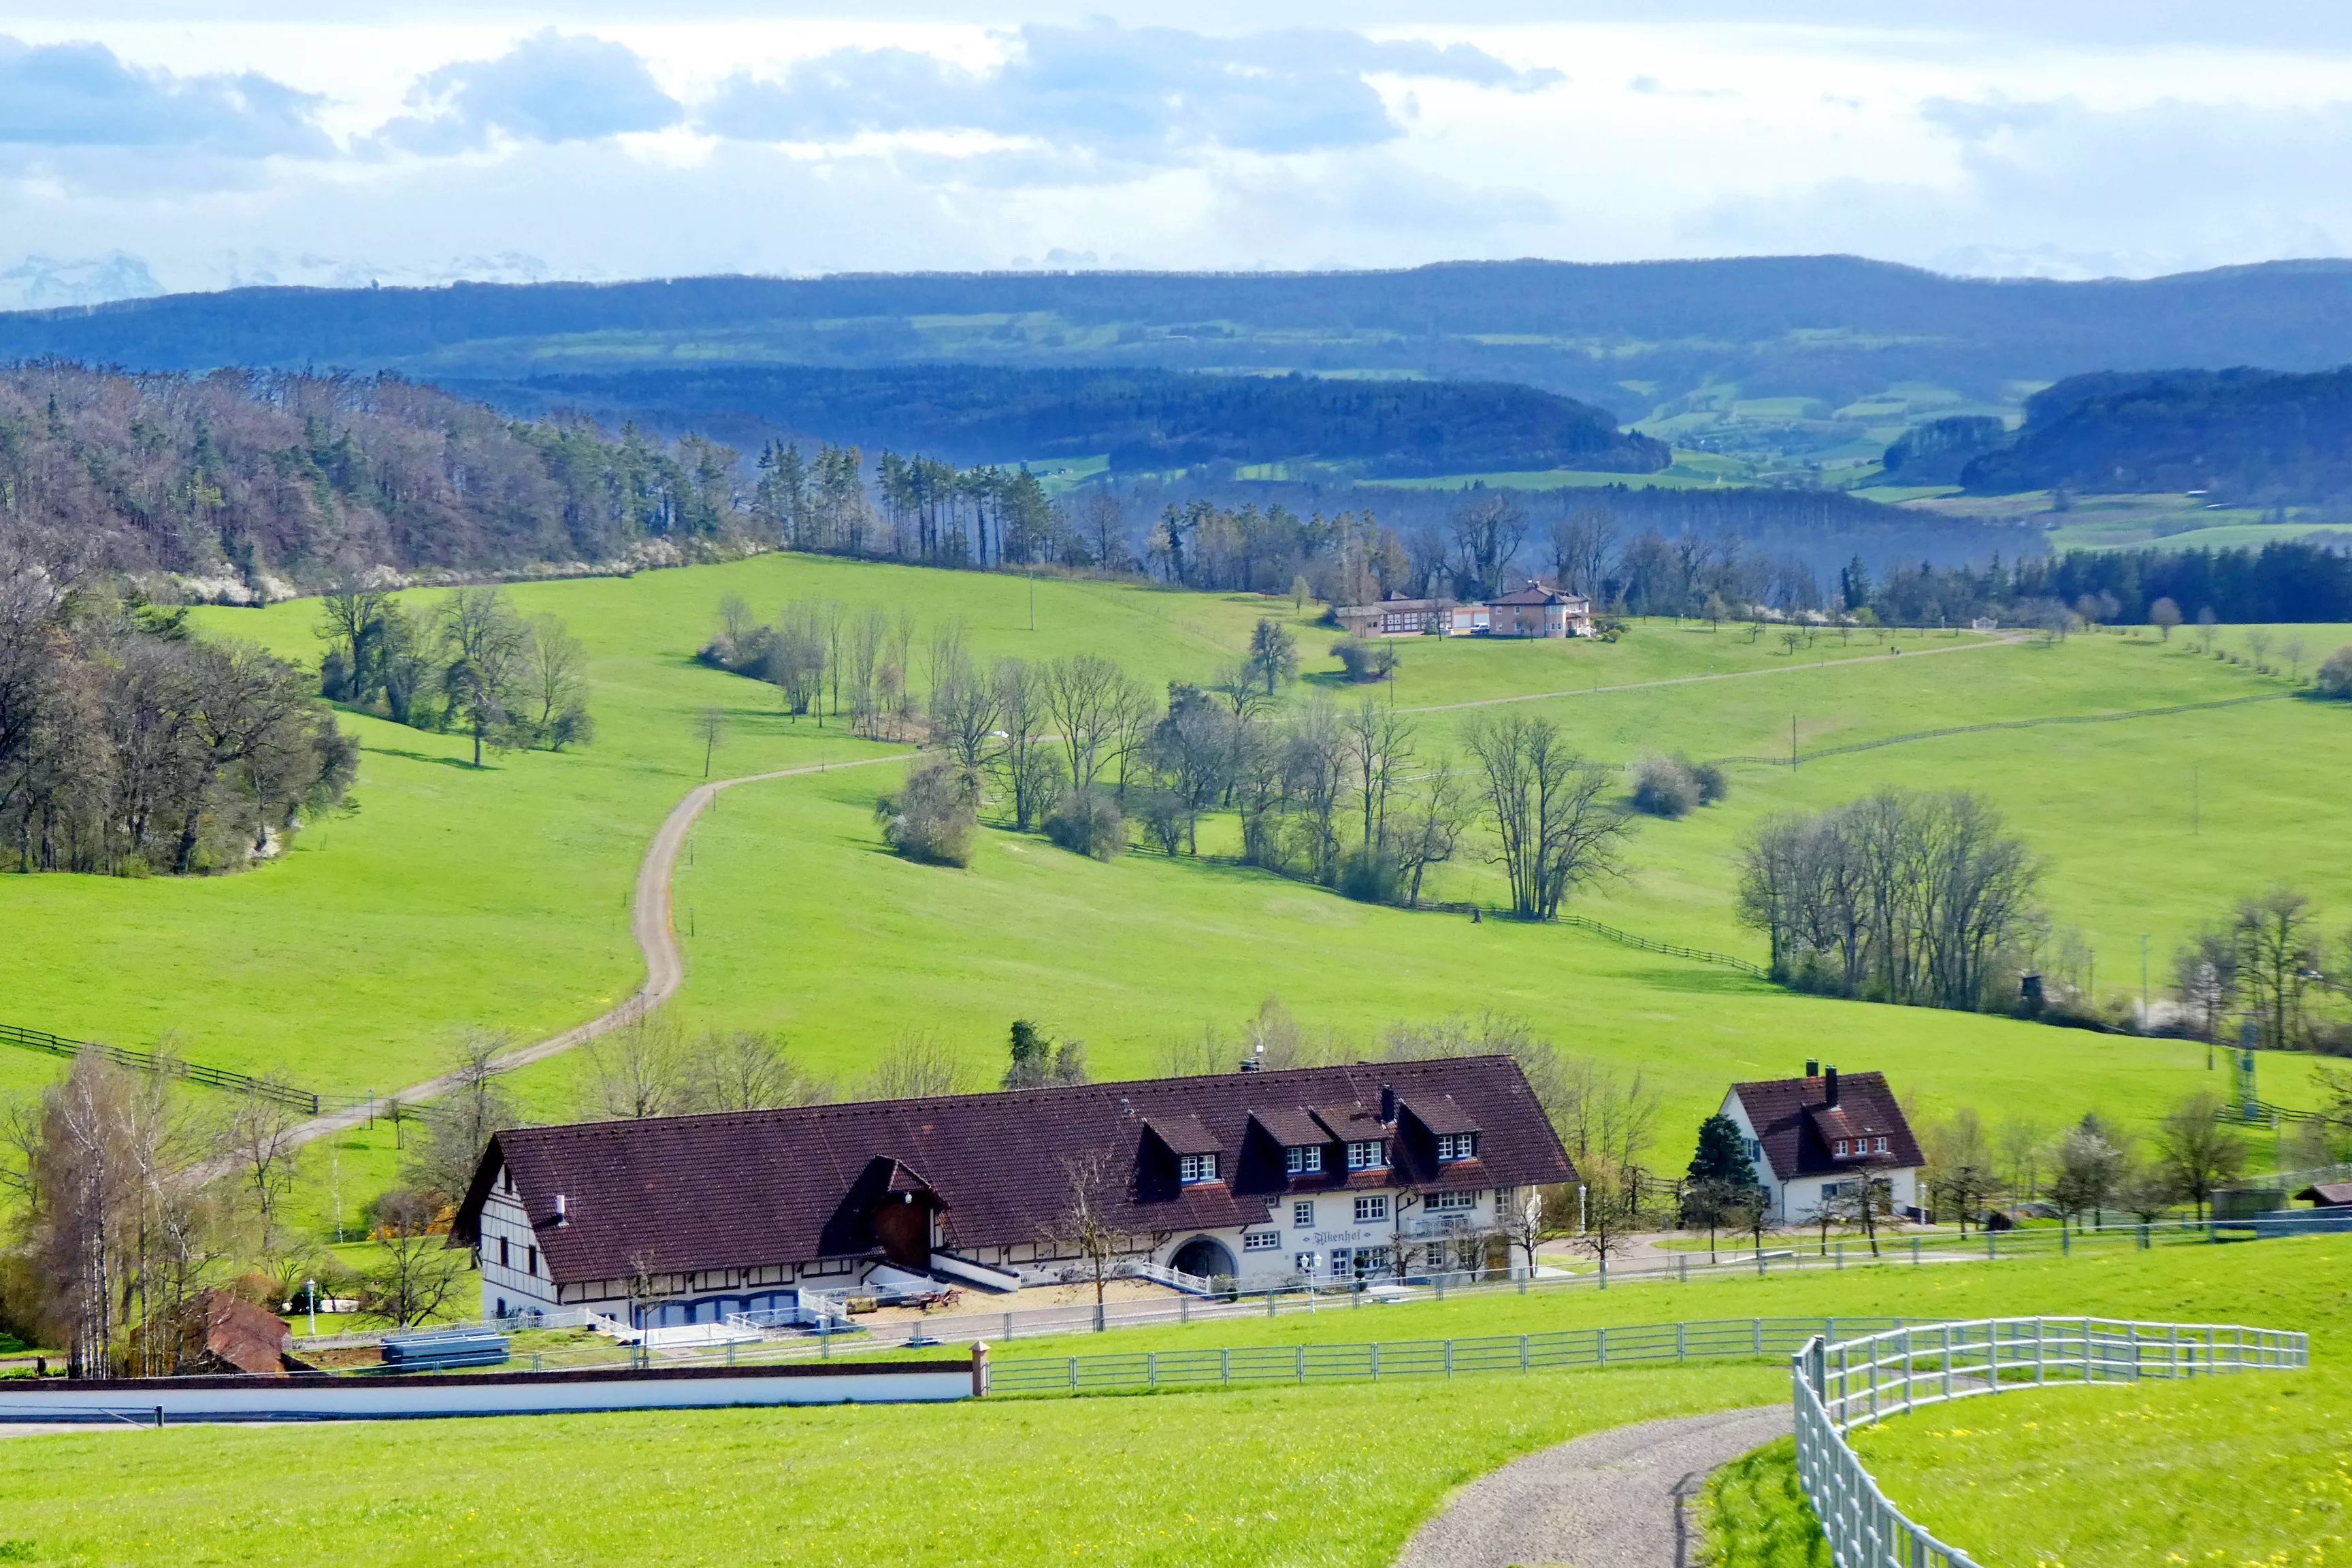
1796 1123
738 1190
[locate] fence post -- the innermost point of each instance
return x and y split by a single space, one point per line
1151 1368
1756 1324
1375 1360
1008 1325
1603 1344
1523 1353
1915 1249
1682 1343
1074 1372
1684 1259
1449 1358
1840 1255
1269 1303
1302 1363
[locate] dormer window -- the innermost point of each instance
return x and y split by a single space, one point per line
1194 1169
1305 1162
1841 1147
1456 1146
1368 1154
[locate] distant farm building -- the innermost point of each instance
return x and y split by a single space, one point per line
1533 610
1815 1138
1262 1179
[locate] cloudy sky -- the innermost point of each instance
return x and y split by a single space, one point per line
212 141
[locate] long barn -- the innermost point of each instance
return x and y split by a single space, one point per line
1378 1170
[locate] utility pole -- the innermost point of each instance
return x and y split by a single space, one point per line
2143 982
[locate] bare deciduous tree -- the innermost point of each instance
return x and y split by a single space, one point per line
2196 1152
1555 827
915 1066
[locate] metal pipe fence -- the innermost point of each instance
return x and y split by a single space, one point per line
1838 1386
1371 1361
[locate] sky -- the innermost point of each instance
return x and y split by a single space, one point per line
174 144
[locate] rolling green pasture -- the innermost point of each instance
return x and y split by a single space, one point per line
456 899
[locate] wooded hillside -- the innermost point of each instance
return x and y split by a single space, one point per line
1143 419
247 474
2251 437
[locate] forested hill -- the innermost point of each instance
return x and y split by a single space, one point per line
246 475
1144 420
1621 335
2253 437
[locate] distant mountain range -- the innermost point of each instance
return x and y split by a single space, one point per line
1810 355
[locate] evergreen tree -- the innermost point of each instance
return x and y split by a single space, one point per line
1722 1154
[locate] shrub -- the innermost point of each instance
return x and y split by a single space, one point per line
1371 877
931 817
1088 822
1712 786
1365 660
1167 821
2335 676
1666 786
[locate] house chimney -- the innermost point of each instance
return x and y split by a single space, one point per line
560 1217
1813 1067
1831 1074
1388 1104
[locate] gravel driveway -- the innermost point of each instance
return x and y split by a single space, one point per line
1613 1499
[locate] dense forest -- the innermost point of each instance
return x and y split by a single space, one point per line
1142 419
2251 437
1620 335
245 475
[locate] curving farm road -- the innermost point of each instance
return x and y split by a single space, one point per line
649 923
1620 1498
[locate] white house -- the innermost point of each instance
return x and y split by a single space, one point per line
1373 1171
1813 1138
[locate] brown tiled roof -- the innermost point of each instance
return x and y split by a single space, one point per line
1291 1126
1440 1114
1352 1123
1795 1122
738 1190
1184 1134
2328 1195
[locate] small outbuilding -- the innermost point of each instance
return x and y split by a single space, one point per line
2327 1195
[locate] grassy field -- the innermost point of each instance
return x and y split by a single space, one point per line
2241 1469
2232 1471
1330 1474
456 899
1334 1478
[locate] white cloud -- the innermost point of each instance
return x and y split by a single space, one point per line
551 87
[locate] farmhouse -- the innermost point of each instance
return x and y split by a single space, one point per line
1815 1138
1532 610
1380 1170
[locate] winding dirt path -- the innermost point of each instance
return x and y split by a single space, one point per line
649 923
1620 1498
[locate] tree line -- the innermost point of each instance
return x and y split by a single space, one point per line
473 664
1899 896
1346 798
2271 963
127 746
252 478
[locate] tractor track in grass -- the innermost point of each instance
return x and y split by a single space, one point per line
650 923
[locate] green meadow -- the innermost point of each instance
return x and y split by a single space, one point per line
2230 1471
456 899
1328 1473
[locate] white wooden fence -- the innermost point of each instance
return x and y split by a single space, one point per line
1846 1384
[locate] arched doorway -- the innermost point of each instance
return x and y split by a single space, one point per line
1205 1257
